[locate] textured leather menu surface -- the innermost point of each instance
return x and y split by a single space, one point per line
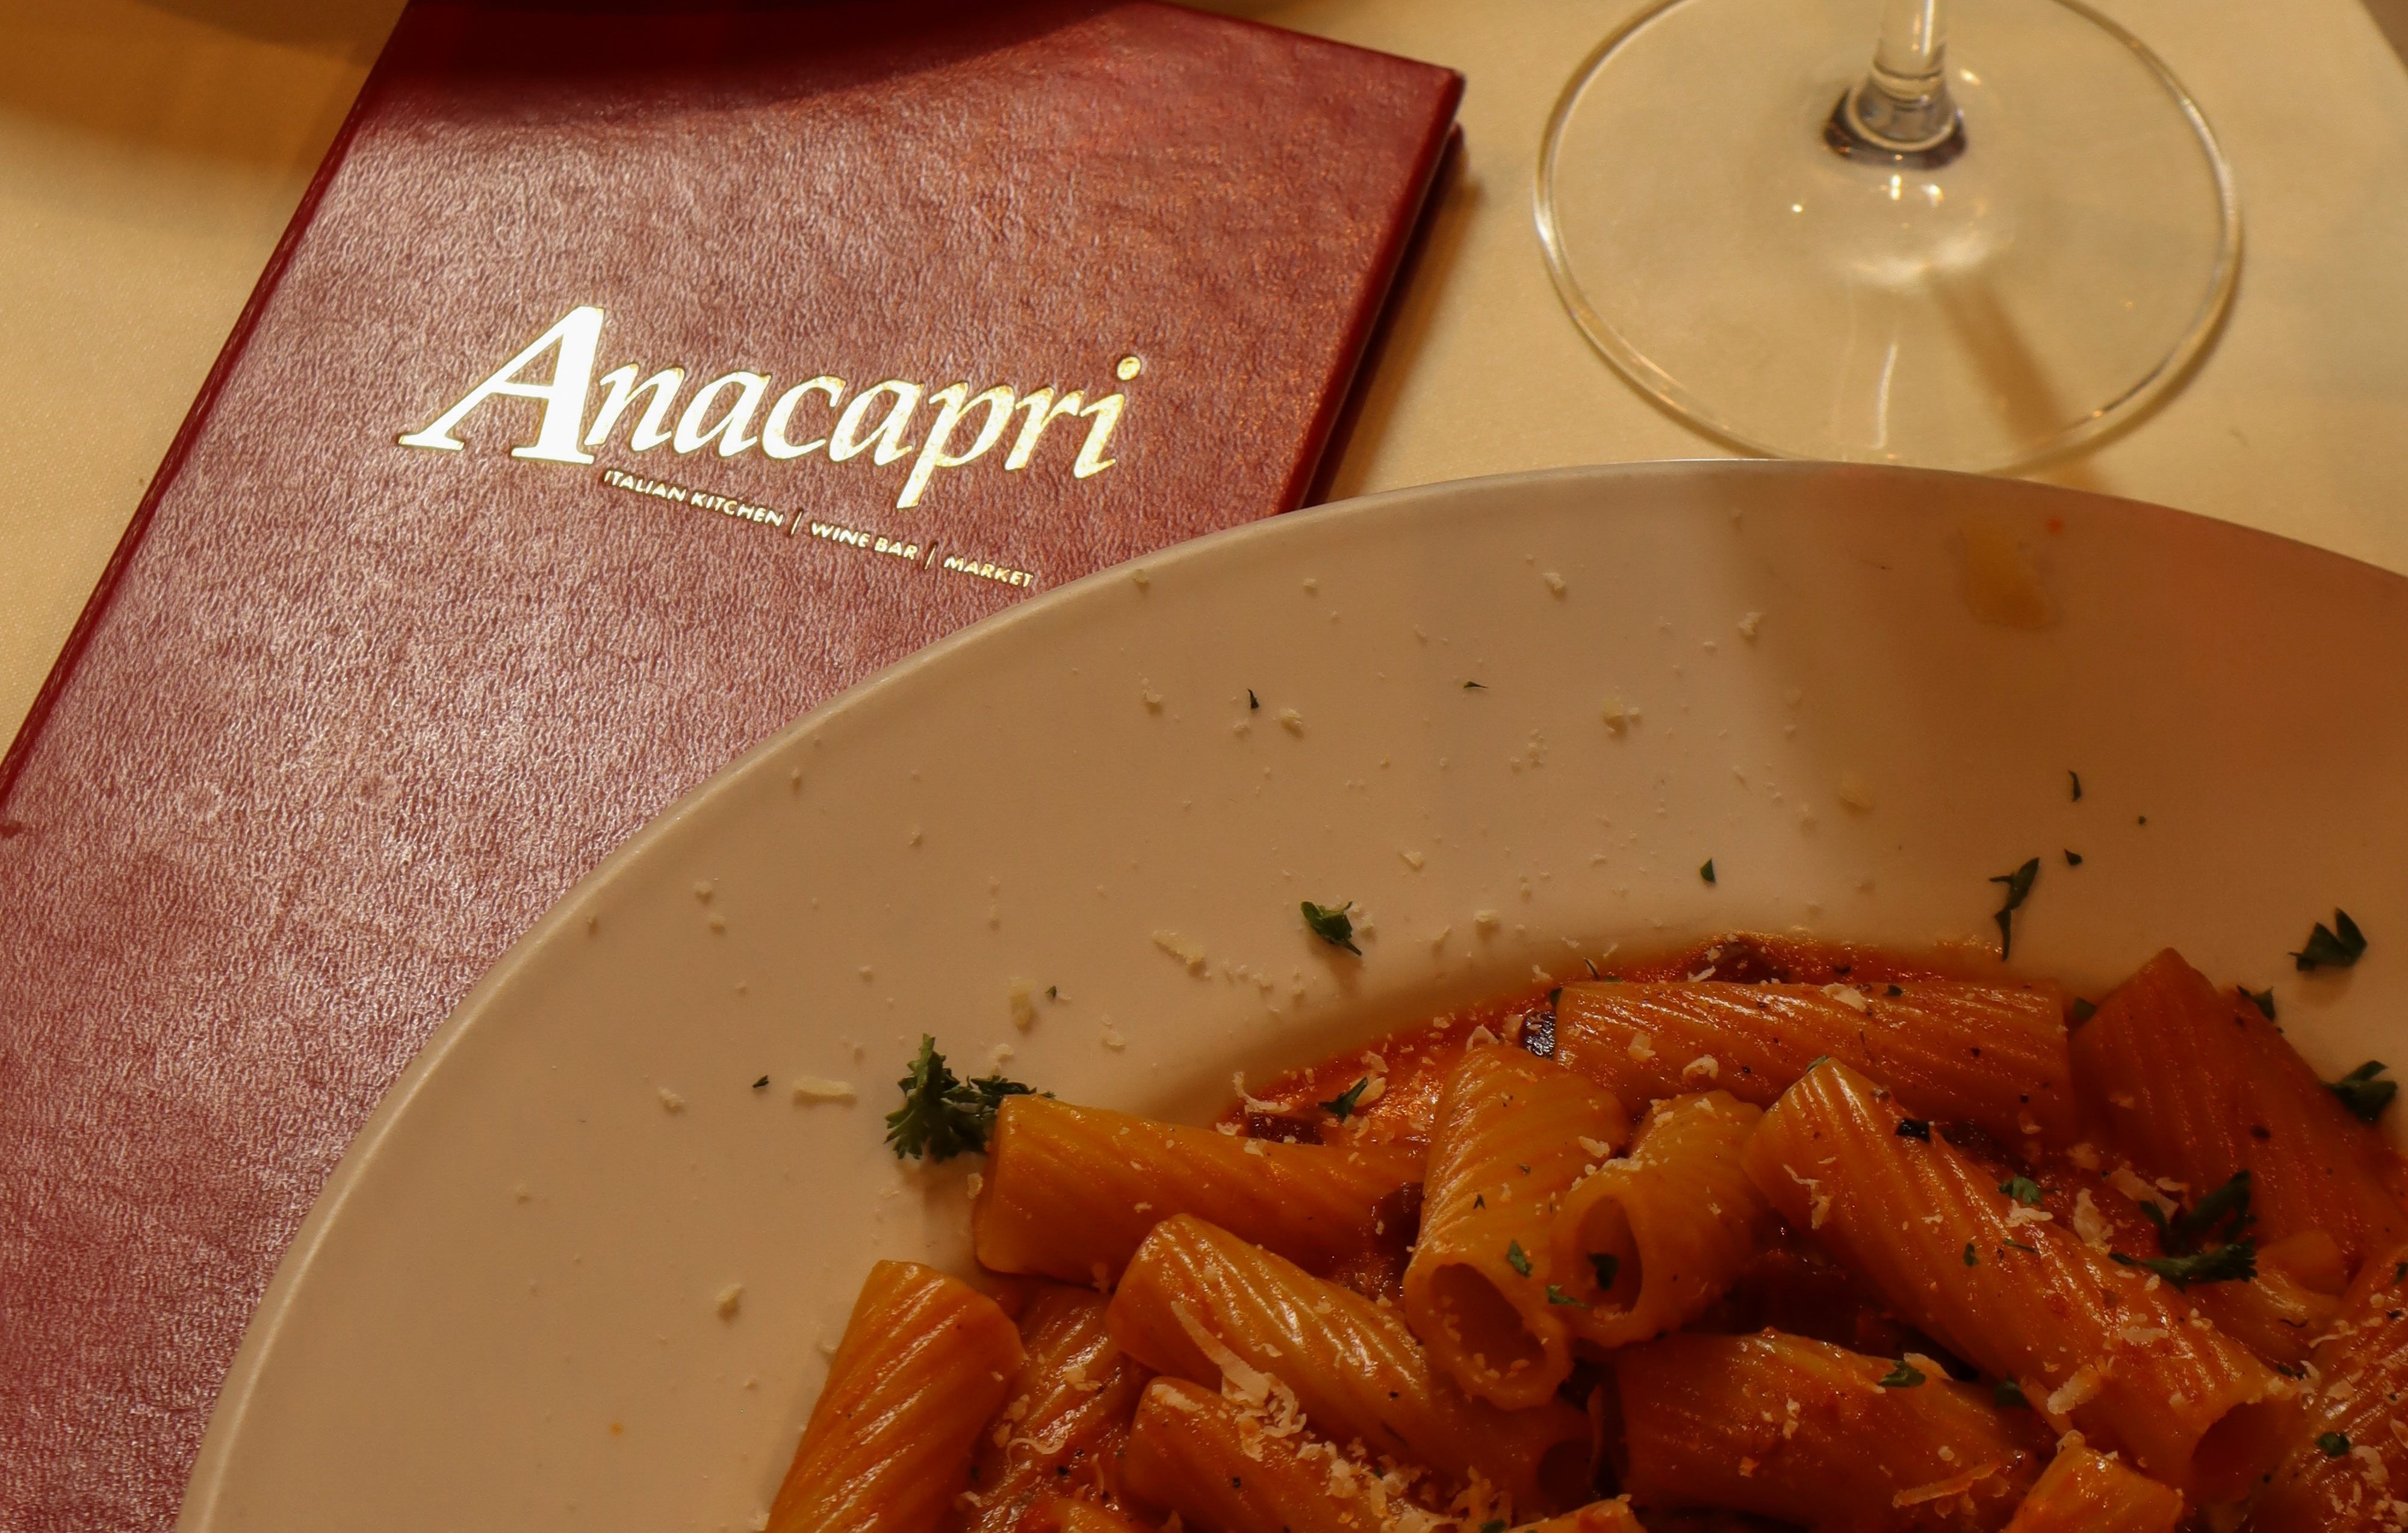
626 384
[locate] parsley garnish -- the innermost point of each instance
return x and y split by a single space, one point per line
1475 686
1970 1260
2262 999
2077 784
758 1084
1557 1296
2072 858
942 1116
1330 923
1592 970
1905 1376
1514 1259
2007 1394
2022 1189
2234 1263
2033 1251
2227 1206
1342 1107
1818 1059
1706 872
1053 992
2019 884
1914 1128
2083 1011
1609 1266
2398 1273
2362 1093
2337 946
2333 1443
1496 1526
1893 992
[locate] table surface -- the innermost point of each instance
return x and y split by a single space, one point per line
151 151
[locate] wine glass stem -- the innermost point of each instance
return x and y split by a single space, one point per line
1903 105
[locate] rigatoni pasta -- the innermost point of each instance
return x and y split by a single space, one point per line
2106 1347
1647 1242
1956 1273
1483 1290
1201 1304
2083 1491
1989 1056
1061 1417
1066 1514
1215 1466
1813 1433
1614 1516
1070 1191
2346 1461
2196 1084
922 1367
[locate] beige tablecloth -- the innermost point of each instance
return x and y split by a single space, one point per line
151 151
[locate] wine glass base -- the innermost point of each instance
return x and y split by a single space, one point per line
2039 281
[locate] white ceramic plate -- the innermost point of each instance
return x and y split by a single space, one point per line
502 1314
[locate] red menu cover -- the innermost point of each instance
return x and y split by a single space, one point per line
626 384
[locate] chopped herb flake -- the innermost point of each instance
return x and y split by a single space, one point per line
2234 1263
758 1084
1475 686
2027 1249
1253 702
2007 1394
2262 999
1557 1296
1053 992
1592 970
2362 1093
1706 872
1609 1266
2083 1011
1514 1259
1893 992
2333 1443
1342 1107
2072 858
2337 946
2077 784
1496 1526
2227 1206
1331 924
1970 1260
2398 1273
1818 1059
2022 1189
2019 884
1914 1128
943 1116
1905 1376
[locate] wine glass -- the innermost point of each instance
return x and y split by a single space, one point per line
1976 253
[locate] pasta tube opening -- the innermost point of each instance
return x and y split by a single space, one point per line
1601 1235
1490 1335
1484 1292
1647 1243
